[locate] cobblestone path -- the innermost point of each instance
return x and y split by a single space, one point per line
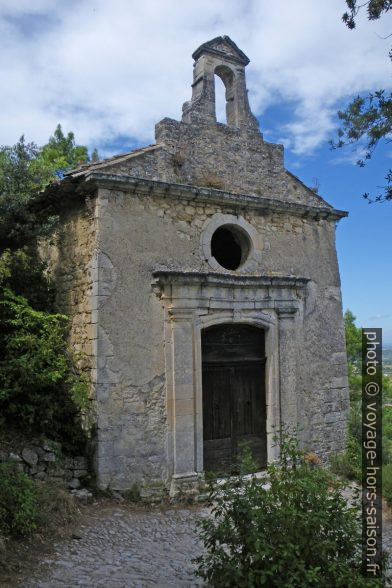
117 546
124 548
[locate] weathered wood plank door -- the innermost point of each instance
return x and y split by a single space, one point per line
234 410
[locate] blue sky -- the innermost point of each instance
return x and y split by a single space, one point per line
110 70
364 239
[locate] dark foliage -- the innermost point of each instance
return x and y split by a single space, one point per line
374 9
25 170
41 391
18 501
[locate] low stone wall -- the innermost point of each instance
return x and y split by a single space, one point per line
44 461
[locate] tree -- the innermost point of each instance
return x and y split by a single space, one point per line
62 153
374 8
25 170
20 179
353 336
367 120
41 388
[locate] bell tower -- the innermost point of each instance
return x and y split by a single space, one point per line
223 58
199 149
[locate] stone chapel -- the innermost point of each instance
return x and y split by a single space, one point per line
203 287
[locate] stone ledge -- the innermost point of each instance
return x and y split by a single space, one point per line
208 195
163 277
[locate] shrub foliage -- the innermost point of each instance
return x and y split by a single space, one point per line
298 532
40 389
18 504
28 505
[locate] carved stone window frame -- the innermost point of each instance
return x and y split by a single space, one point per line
220 220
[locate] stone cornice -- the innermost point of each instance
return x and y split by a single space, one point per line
163 277
208 47
187 192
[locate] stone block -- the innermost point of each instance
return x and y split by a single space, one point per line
83 495
68 462
340 357
80 463
332 417
82 473
340 382
40 451
43 476
15 457
74 483
51 446
49 457
30 456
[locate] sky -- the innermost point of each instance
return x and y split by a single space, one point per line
109 71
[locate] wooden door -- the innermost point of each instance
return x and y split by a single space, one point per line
233 395
217 418
249 410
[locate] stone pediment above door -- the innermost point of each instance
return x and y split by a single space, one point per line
214 291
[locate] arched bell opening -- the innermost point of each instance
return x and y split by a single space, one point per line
226 75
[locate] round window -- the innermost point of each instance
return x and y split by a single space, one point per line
230 246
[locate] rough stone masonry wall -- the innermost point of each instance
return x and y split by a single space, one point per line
218 156
306 247
139 234
130 380
43 460
211 152
70 259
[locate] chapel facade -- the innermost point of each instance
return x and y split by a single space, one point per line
202 283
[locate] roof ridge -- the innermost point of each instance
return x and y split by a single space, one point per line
102 163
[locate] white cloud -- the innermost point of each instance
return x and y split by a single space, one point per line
351 155
105 69
378 317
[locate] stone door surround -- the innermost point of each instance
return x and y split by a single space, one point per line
194 301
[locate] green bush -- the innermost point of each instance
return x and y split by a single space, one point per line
387 434
23 273
133 493
349 463
387 483
298 532
18 501
40 392
28 505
